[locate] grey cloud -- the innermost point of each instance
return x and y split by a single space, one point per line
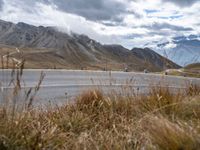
160 26
182 3
95 10
161 33
111 24
1 4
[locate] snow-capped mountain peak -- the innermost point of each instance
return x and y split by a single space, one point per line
182 50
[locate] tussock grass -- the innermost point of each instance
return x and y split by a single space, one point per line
161 120
165 134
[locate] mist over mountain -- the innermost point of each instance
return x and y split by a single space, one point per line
47 47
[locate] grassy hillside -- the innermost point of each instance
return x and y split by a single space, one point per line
48 59
183 73
195 66
192 70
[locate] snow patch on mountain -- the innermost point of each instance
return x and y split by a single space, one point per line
182 50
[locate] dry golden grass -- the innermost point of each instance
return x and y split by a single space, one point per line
159 121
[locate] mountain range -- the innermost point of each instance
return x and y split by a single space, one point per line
47 47
183 50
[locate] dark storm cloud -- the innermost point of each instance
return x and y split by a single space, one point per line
184 3
161 26
95 10
1 4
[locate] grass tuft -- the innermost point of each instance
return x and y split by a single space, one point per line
165 134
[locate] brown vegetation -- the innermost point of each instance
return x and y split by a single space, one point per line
159 121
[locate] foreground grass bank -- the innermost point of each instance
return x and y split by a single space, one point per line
159 121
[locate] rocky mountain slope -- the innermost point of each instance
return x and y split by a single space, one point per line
47 47
151 57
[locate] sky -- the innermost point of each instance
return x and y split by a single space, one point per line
131 23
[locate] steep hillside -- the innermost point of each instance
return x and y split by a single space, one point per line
47 47
151 57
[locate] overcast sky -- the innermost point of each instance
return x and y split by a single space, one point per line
128 22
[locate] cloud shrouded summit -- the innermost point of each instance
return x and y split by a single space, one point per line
127 22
